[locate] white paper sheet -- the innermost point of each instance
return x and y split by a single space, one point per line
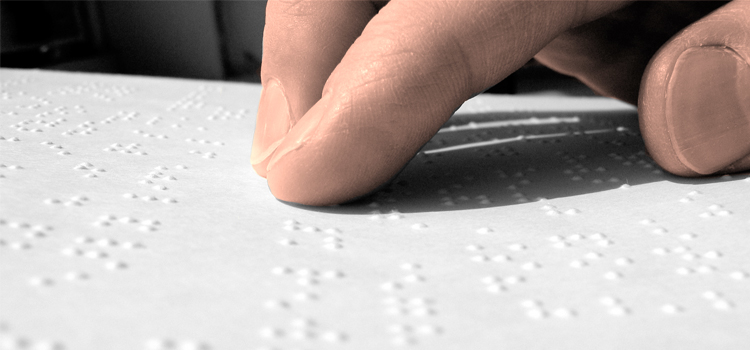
130 218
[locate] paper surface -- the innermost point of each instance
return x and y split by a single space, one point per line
131 218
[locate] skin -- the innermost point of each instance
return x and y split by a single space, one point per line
353 89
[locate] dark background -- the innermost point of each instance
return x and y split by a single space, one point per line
204 39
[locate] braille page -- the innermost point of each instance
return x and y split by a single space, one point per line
131 218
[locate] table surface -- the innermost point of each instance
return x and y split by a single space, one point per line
131 218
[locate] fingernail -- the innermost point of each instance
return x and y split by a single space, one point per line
272 124
708 108
302 133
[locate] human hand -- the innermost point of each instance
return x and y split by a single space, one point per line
351 93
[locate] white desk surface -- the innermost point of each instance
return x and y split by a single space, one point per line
130 218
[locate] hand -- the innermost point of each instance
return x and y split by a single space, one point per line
353 89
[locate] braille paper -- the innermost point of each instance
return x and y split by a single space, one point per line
131 218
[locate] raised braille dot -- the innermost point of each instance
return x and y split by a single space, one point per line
282 270
41 281
269 332
593 255
514 279
624 261
671 309
410 266
484 230
618 311
722 304
531 266
70 251
660 251
563 313
690 256
688 236
419 226
739 275
578 263
390 286
76 276
536 313
132 245
684 271
712 254
500 258
517 247
705 269
612 275
146 228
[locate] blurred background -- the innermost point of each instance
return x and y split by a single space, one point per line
204 39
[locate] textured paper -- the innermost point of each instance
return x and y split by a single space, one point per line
131 218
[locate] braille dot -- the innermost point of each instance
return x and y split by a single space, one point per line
612 275
536 313
484 230
578 263
531 266
282 270
618 311
660 251
307 281
739 275
271 333
688 236
684 271
41 281
561 245
593 255
333 274
712 254
418 226
563 313
70 251
624 261
514 279
722 304
500 258
76 276
132 245
690 256
671 309
517 247
390 286
711 295
410 266
480 258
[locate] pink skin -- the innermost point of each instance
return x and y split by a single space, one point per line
351 93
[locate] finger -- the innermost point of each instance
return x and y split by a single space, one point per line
610 54
302 43
413 66
694 105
